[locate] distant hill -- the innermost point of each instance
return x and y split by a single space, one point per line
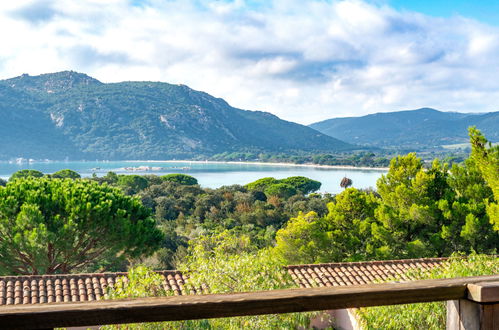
69 114
417 129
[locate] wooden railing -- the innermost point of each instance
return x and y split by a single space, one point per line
474 300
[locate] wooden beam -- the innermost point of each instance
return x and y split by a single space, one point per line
484 292
38 316
480 311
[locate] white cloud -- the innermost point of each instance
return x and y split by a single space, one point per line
301 60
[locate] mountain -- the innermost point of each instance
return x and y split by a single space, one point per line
69 114
419 129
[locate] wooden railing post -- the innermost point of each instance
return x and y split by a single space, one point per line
480 311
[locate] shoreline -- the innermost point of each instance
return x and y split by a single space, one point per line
338 167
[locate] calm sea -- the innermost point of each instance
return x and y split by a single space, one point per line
212 175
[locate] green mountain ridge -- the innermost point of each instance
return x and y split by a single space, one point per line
69 114
410 129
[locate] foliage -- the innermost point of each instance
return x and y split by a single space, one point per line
302 184
132 184
143 282
350 224
220 263
137 120
345 182
281 190
25 173
430 213
284 188
428 128
416 212
2 182
180 179
303 240
467 225
362 158
190 211
225 263
261 184
343 234
66 174
139 283
428 315
57 226
411 196
487 160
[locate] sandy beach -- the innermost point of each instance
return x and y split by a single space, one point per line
340 167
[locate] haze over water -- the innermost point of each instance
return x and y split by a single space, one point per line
211 175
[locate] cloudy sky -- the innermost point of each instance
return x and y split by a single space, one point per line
303 60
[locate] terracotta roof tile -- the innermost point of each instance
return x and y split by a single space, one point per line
355 273
41 289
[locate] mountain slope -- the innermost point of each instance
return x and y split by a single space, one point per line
420 128
138 120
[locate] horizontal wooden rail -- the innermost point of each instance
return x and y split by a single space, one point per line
39 316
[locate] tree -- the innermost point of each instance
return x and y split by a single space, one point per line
261 184
180 178
66 174
349 226
410 210
343 234
26 173
132 184
52 226
302 184
282 190
303 240
487 160
468 226
222 263
2 182
345 182
227 263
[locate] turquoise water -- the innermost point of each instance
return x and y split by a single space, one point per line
211 175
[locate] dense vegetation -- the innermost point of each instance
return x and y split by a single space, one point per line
359 159
427 315
68 114
244 234
415 212
63 225
415 130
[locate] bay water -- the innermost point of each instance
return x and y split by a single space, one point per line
209 174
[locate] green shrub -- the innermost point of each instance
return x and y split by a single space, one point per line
183 179
223 263
427 315
302 184
66 174
132 184
261 184
282 190
25 174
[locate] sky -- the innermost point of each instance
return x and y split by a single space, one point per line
302 60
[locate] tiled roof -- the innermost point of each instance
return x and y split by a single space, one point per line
355 273
39 289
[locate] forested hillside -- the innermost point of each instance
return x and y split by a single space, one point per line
68 114
415 129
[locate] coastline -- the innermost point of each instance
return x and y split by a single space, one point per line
338 167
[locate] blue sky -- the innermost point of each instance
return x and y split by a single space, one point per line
304 61
486 11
